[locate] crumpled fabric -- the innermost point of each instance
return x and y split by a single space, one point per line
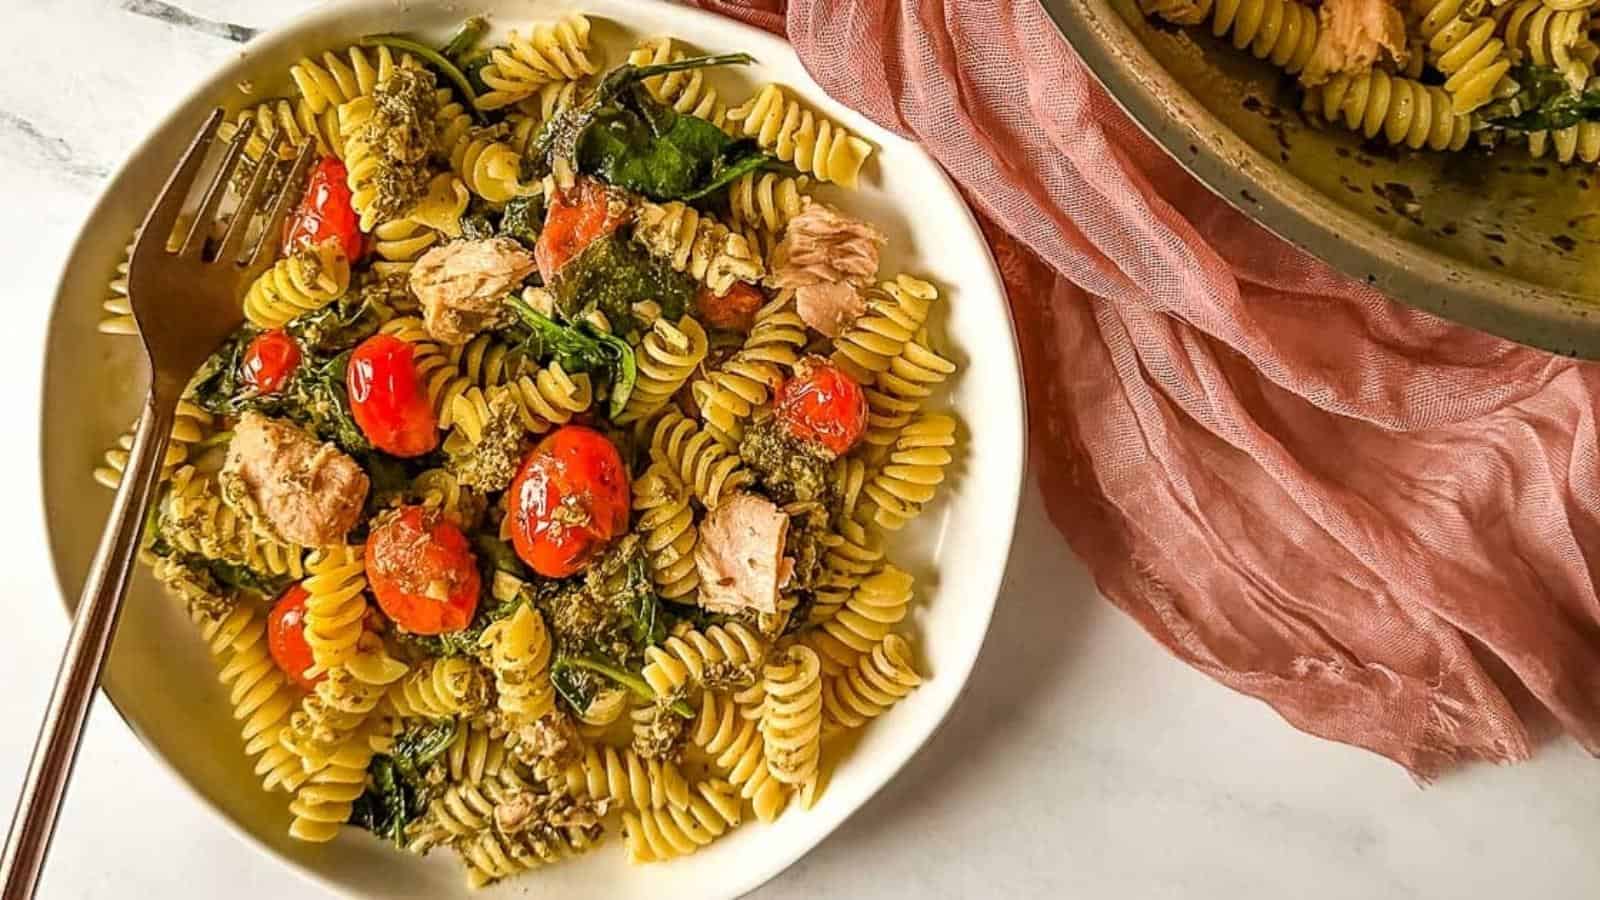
1375 521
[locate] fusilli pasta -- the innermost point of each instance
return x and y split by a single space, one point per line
791 719
877 681
517 650
667 356
697 245
557 51
302 282
815 145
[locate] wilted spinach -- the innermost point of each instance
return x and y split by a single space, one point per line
523 218
397 787
568 671
462 43
446 67
580 348
611 275
1546 102
619 131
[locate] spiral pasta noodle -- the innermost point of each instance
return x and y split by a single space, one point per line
1403 110
733 741
197 521
1283 31
190 426
791 718
632 781
550 397
259 693
1544 35
697 245
441 380
1580 141
118 318
667 356
330 717
491 855
895 312
851 555
913 472
729 394
1464 48
335 605
475 753
878 603
877 681
302 282
766 201
710 471
899 392
813 144
661 504
717 658
441 688
557 51
324 801
397 245
329 82
491 168
686 92
292 122
656 835
518 653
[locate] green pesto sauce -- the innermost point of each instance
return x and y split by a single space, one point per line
614 273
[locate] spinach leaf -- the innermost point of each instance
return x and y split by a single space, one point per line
320 396
242 578
314 397
616 673
1545 103
523 219
477 227
580 348
398 788
558 139
614 273
645 146
340 325
497 555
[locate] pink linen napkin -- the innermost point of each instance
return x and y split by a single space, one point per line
1373 520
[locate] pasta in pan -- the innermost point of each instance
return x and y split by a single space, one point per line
1424 74
545 492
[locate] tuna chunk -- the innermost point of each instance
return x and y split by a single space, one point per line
462 285
740 555
829 307
291 486
822 245
1352 33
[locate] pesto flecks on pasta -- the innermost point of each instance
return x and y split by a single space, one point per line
544 494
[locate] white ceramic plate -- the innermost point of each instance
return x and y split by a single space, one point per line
164 683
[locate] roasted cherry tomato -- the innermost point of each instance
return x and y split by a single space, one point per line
734 308
325 212
269 361
422 571
569 499
286 637
823 405
387 398
576 218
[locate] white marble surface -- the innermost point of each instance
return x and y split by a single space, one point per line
1081 762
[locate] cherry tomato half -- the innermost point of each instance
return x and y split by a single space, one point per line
422 571
269 361
576 218
823 405
734 308
387 398
286 637
569 499
325 212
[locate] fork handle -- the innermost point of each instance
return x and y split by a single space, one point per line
87 647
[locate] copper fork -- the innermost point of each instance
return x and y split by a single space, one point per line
185 293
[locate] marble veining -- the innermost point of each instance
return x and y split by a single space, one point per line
182 18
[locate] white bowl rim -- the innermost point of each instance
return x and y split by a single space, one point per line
1014 407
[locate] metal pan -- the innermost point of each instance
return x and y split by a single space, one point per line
1495 239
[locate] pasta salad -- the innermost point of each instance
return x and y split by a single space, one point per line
544 492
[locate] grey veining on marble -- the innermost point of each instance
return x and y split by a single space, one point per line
1081 761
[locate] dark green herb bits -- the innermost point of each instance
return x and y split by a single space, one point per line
1545 103
398 787
611 275
523 219
581 348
